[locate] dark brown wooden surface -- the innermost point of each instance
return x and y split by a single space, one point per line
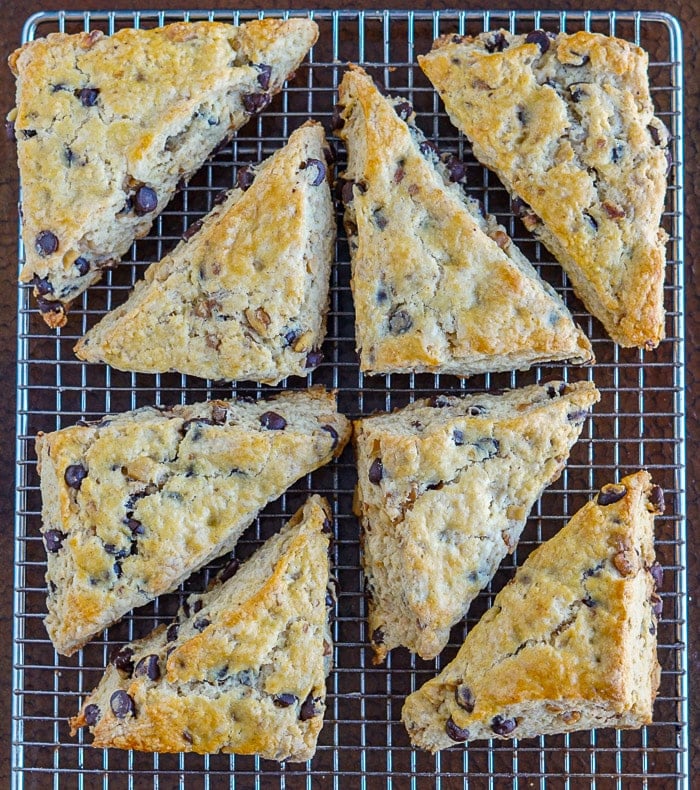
12 15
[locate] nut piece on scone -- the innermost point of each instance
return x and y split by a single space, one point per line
241 669
135 503
567 124
109 127
438 285
569 643
445 486
245 295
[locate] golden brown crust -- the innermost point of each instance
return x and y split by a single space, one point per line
245 671
571 132
569 643
135 503
99 118
437 285
239 299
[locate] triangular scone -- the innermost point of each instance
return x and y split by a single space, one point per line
108 126
437 286
569 644
135 503
242 669
247 295
568 125
445 486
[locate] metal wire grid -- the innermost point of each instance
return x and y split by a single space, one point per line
639 422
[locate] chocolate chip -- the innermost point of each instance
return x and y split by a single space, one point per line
337 121
347 192
540 38
591 220
455 732
577 93
88 96
42 285
264 74
255 102
438 401
330 600
285 700
219 414
172 632
382 296
330 154
327 526
192 230
229 570
74 475
273 421
465 697
82 265
376 471
320 170
458 437
46 243
657 573
616 153
187 737
497 43
378 636
428 148
119 554
117 568
588 601
123 660
53 538
292 336
399 322
584 59
655 136
308 709
149 667
47 306
313 359
456 168
145 201
220 197
91 714
10 131
577 416
657 605
245 177
379 219
27 134
135 526
404 110
201 623
656 500
121 704
476 410
502 726
610 494
334 434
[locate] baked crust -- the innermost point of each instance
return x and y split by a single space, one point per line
239 299
437 285
135 503
246 670
98 118
459 476
571 133
569 644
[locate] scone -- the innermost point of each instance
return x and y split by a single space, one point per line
108 127
445 486
135 503
567 124
243 667
569 644
438 286
246 295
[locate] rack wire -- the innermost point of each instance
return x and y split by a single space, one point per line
639 423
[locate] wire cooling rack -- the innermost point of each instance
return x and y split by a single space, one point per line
639 423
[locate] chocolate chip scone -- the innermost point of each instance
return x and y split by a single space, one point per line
107 127
569 644
438 286
445 486
245 296
135 503
567 124
243 667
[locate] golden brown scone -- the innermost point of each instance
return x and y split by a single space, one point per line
445 486
245 296
437 285
567 123
135 503
108 126
569 644
243 667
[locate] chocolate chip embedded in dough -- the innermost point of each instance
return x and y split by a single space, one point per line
503 726
122 704
455 732
376 471
540 38
46 243
611 493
